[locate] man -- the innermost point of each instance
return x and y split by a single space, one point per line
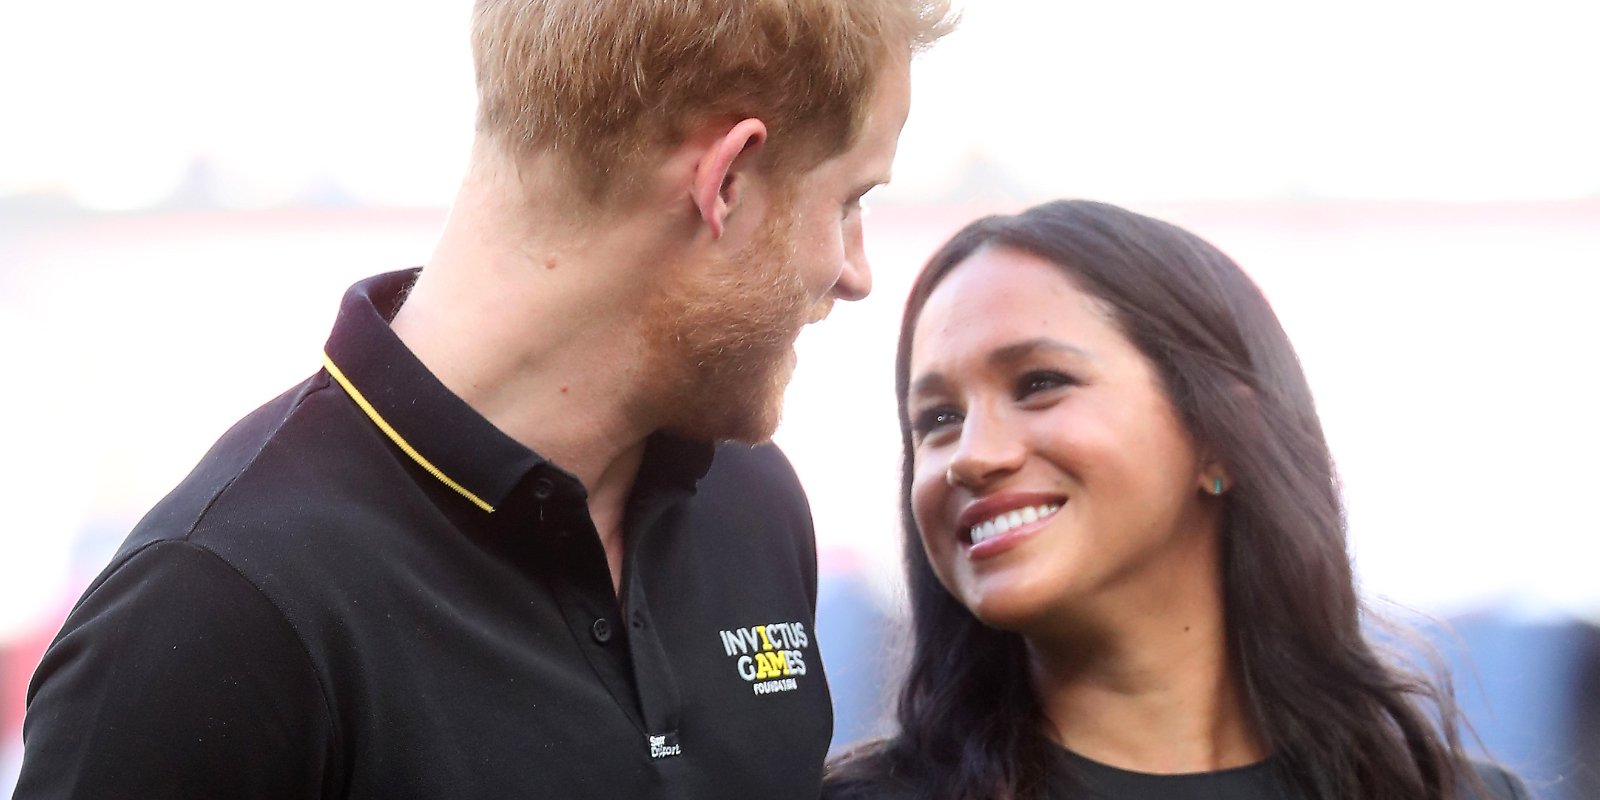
491 550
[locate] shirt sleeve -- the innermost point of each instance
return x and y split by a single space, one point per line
174 677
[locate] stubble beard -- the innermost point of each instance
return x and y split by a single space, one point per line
721 342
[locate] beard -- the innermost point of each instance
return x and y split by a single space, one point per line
721 339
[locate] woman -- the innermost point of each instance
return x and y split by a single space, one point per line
1125 545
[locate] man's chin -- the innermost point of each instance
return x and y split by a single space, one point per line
729 412
750 428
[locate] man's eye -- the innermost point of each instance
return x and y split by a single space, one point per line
856 205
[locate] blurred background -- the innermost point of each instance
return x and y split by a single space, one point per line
187 187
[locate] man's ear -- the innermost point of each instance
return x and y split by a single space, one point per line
720 176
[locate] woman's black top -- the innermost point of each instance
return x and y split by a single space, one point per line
1078 777
1073 777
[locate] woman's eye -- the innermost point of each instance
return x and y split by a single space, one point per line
934 419
1033 383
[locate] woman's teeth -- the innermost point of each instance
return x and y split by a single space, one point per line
989 529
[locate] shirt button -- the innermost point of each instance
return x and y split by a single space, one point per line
543 488
601 630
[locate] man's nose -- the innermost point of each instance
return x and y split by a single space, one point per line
855 279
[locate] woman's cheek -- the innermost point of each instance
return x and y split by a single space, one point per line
929 496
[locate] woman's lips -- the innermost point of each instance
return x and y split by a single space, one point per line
995 524
1010 520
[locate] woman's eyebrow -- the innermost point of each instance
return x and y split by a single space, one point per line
935 382
1019 351
927 383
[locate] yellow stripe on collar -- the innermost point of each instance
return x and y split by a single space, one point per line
383 425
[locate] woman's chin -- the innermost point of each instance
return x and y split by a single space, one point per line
1007 612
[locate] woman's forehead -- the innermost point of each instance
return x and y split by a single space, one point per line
1001 297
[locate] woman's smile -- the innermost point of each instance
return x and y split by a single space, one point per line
997 523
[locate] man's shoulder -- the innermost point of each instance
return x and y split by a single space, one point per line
755 475
178 514
763 464
275 474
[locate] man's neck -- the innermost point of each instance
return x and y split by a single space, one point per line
535 325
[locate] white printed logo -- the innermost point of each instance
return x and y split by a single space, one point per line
769 657
665 745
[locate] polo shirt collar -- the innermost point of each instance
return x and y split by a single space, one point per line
435 427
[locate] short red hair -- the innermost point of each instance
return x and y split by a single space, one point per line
605 83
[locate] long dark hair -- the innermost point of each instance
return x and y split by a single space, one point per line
1341 721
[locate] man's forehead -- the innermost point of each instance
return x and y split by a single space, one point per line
870 159
886 115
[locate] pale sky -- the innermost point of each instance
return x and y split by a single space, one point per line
110 102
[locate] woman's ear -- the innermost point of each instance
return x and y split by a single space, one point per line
1244 410
1214 479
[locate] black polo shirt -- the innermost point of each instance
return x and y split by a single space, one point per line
366 590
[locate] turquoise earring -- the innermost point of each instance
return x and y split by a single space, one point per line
1216 486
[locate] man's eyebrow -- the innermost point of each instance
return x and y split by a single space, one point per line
870 184
861 189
